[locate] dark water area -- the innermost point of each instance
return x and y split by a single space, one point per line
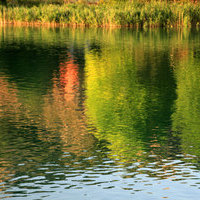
99 114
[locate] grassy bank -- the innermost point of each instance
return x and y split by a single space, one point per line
151 14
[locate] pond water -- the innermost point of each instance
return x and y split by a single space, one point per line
99 114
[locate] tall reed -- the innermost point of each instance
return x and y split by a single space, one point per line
150 14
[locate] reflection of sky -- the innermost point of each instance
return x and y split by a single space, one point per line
114 185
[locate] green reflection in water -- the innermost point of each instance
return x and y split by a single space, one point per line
39 120
130 94
186 118
130 89
114 100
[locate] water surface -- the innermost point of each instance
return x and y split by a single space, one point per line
99 114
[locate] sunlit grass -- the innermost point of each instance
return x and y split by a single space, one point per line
152 14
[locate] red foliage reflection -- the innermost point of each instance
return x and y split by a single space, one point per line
69 79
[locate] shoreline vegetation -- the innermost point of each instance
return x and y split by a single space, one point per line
103 14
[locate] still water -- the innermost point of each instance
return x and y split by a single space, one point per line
99 114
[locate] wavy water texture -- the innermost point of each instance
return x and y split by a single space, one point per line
99 114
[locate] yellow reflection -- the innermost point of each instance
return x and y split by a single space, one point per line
130 90
186 118
115 100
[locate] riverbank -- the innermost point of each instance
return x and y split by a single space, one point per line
152 14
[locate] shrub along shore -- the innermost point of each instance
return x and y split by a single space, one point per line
135 14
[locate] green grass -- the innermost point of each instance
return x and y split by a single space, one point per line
152 14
